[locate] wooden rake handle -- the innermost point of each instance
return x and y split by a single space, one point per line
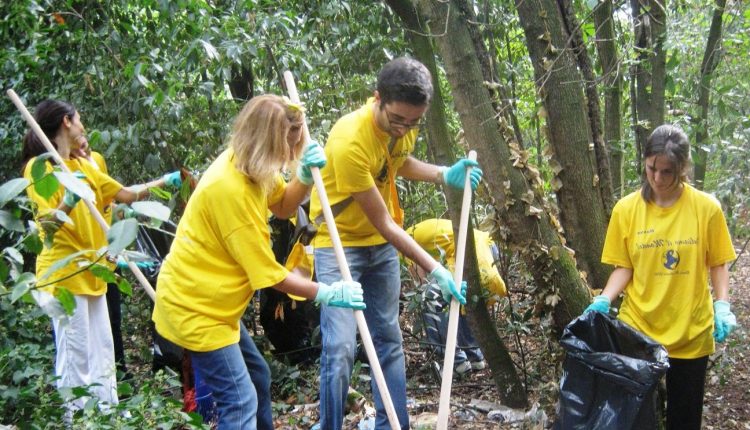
450 340
89 204
338 248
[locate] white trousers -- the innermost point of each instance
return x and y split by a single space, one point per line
85 351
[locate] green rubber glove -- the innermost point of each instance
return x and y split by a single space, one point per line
455 176
724 320
344 294
444 279
173 179
600 304
143 265
313 156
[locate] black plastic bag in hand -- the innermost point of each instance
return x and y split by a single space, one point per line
609 375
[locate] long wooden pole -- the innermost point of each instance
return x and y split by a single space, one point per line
444 408
338 248
89 203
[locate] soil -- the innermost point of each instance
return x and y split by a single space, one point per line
474 397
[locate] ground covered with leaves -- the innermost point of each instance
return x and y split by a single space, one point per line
475 399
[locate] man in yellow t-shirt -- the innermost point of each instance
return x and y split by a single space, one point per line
436 237
665 242
366 150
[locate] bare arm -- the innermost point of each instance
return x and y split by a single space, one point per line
138 192
617 282
298 286
416 170
720 282
373 206
294 193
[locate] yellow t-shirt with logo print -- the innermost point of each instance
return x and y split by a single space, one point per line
220 256
356 162
84 234
670 251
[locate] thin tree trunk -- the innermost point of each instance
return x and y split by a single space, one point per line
593 108
578 186
612 88
496 353
649 72
514 185
711 58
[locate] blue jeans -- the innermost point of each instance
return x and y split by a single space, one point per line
377 269
436 326
240 381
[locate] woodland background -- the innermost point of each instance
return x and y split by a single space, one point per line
556 96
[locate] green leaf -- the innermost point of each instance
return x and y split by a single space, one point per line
104 273
75 185
152 210
33 243
59 264
14 254
4 271
11 189
10 222
125 287
40 166
22 286
66 298
121 235
46 186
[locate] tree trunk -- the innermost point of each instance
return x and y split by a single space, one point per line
612 82
496 353
711 58
649 72
577 185
593 108
515 187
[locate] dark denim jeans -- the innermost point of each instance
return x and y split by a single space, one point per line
377 269
240 380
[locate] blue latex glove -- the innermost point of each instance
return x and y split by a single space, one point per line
70 199
724 320
600 304
173 179
444 279
344 294
455 176
143 265
313 156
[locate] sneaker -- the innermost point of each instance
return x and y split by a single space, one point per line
463 367
478 365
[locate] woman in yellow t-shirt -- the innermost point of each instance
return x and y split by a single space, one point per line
222 254
665 242
83 340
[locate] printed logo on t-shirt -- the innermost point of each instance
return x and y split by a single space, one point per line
671 259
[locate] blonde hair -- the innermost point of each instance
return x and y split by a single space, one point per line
259 138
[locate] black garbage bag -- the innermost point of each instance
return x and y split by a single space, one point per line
609 375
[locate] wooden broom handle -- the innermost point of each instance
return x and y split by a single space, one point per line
444 408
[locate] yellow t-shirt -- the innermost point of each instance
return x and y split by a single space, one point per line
670 251
84 234
356 162
220 256
436 237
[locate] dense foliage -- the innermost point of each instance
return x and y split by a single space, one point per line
158 83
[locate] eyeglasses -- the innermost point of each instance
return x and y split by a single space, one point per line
395 123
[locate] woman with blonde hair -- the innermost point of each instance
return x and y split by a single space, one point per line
222 254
